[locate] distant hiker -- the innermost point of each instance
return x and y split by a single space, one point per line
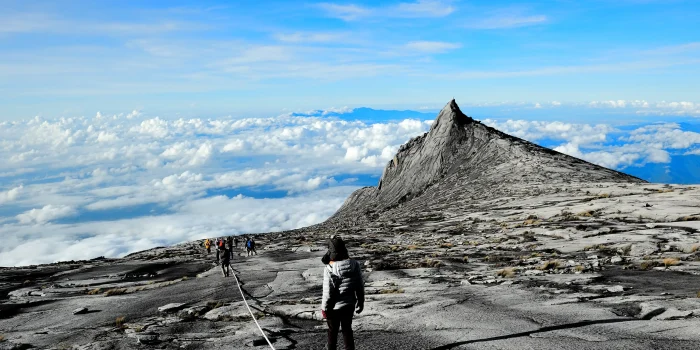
207 245
229 242
250 247
235 242
343 293
224 260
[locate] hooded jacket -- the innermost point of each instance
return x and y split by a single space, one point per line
342 285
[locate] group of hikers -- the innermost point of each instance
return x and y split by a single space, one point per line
343 286
224 250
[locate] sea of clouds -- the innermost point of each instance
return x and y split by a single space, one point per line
110 185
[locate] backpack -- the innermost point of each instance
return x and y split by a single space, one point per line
221 243
249 244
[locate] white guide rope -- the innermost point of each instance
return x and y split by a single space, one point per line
249 310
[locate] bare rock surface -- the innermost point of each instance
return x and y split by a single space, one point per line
497 244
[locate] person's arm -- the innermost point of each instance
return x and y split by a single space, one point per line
360 290
326 298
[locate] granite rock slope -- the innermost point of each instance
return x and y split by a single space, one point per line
460 155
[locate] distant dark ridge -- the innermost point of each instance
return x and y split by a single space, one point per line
460 151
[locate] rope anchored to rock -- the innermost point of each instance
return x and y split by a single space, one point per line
249 310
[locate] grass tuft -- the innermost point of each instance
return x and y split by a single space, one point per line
671 262
120 322
648 265
446 245
508 272
580 268
550 265
94 291
115 291
391 291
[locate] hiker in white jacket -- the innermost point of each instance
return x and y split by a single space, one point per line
343 293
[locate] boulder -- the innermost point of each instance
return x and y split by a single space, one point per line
234 311
643 249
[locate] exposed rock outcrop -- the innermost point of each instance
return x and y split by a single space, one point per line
460 155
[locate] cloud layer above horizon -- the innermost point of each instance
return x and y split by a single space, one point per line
109 185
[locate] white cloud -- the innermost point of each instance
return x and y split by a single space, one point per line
10 195
579 134
506 21
431 46
46 214
196 219
417 9
312 37
345 12
424 8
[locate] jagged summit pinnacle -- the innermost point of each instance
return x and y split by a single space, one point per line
450 116
458 156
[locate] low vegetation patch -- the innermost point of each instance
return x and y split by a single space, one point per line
2 337
695 248
431 263
412 247
391 291
115 291
508 272
580 268
690 218
587 213
648 265
94 291
446 245
211 305
671 262
120 322
550 265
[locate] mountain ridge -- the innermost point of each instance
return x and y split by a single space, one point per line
459 150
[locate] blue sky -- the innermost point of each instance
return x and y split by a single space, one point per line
260 58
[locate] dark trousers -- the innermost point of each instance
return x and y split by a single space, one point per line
336 320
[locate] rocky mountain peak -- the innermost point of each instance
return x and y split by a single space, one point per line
450 116
460 155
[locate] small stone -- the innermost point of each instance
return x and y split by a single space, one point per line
616 289
80 311
147 338
616 259
172 307
533 273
